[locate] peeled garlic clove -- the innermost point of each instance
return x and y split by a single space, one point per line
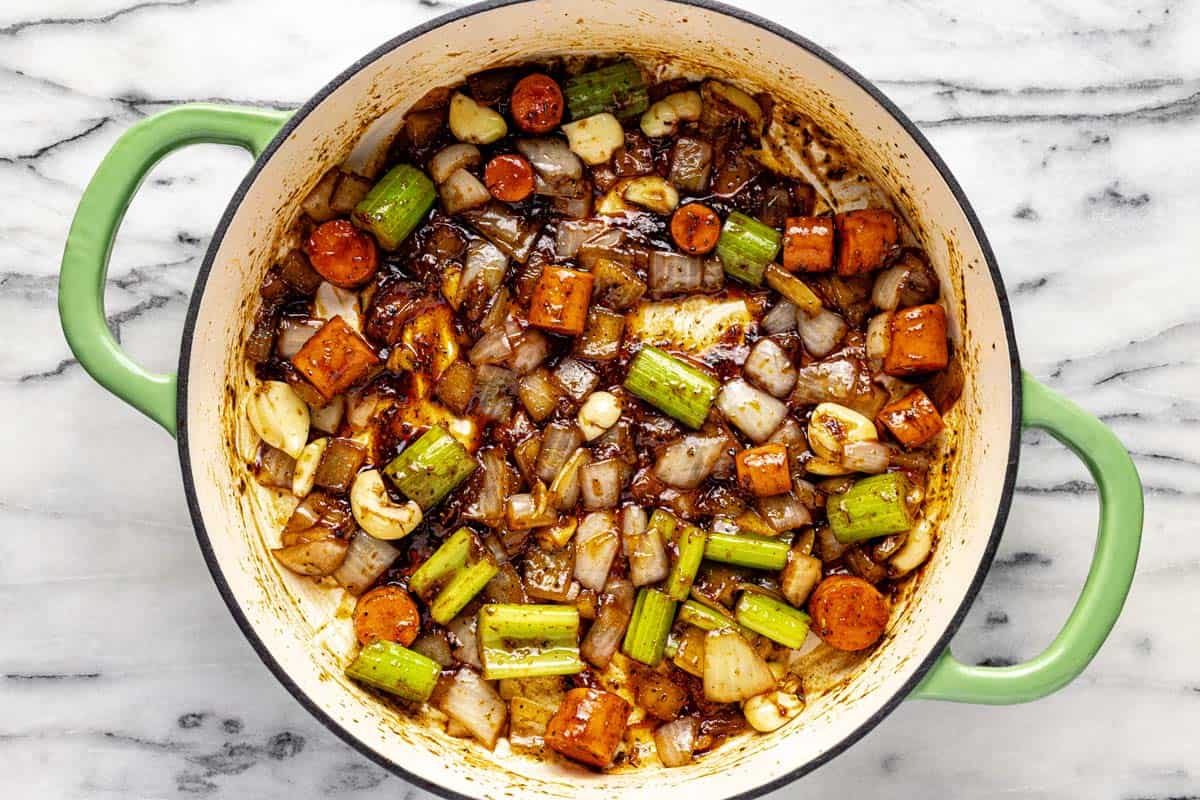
769 712
305 472
652 192
279 417
600 412
612 203
595 138
662 118
831 427
376 513
473 123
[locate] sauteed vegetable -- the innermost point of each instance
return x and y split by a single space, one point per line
609 410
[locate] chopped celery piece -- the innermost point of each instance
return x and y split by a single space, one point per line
672 386
527 641
691 552
704 617
663 523
619 89
447 559
875 506
777 621
396 670
431 467
646 636
746 247
466 583
396 205
747 550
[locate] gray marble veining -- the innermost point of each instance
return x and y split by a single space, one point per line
1072 127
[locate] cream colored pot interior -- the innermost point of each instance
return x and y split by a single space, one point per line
305 628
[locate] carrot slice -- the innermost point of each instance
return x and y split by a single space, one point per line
335 358
913 419
537 104
695 228
848 613
588 726
560 300
763 471
342 254
918 341
509 177
808 244
386 613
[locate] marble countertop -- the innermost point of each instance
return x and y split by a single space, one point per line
1071 125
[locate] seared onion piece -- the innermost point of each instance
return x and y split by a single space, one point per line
644 546
505 228
530 510
674 273
453 158
558 443
366 559
566 487
601 483
315 558
466 643
822 332
559 171
538 394
494 390
493 484
530 350
275 468
604 637
471 701
784 512
462 191
676 741
732 670
293 334
596 544
434 645
754 412
685 463
769 367
572 235
329 416
866 456
780 319
492 348
576 378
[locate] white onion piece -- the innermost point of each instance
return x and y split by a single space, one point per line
686 462
530 351
488 504
866 456
467 650
558 443
732 670
328 417
485 263
600 482
596 544
784 512
434 645
885 293
572 235
316 204
360 409
492 348
371 150
799 577
714 275
495 390
604 637
332 301
552 159
829 381
471 701
676 741
462 191
644 549
294 334
366 559
564 491
769 367
780 319
673 273
822 332
879 336
754 412
453 158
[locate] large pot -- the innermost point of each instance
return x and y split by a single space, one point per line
287 618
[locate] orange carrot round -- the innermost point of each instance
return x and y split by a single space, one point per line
386 613
509 177
342 254
537 104
848 613
695 228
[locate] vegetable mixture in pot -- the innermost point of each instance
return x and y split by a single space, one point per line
605 416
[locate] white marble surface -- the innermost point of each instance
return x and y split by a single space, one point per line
1073 127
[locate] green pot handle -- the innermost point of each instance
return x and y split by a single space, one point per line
1108 579
90 240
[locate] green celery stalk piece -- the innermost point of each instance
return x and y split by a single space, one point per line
671 385
747 550
395 206
395 669
646 636
777 621
874 506
746 247
466 583
447 559
691 552
431 467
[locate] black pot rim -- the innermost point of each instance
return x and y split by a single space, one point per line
911 129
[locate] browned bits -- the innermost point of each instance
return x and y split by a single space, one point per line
537 104
342 254
695 228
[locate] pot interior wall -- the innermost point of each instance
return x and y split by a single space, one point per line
304 628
